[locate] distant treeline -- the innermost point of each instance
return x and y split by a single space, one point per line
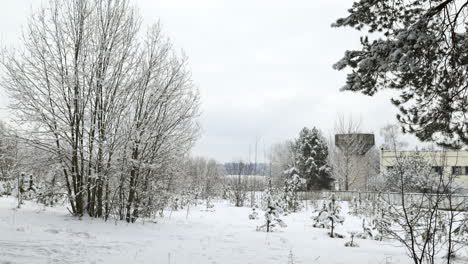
246 168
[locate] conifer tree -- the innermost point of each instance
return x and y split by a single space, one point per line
419 48
273 206
311 159
291 186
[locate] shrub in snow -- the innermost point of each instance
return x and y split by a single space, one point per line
358 206
50 189
329 216
375 220
352 243
272 220
291 257
238 192
461 231
175 203
6 187
426 232
189 197
368 231
362 207
182 200
28 188
459 238
209 205
382 220
291 186
412 173
253 215
238 184
321 220
273 197
313 204
273 205
354 206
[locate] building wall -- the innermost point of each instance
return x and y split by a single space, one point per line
359 173
361 169
446 160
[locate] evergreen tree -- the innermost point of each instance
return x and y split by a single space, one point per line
273 206
330 216
291 186
420 48
311 159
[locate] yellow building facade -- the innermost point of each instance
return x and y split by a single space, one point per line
449 162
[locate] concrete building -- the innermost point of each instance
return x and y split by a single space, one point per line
449 162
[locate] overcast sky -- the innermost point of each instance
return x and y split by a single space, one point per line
263 67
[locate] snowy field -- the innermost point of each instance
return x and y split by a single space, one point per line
35 234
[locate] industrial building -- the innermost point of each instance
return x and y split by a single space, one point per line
447 162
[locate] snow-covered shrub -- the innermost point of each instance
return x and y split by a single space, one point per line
181 200
461 231
358 206
430 230
368 231
28 188
253 215
291 186
273 205
291 257
314 204
362 207
273 196
412 173
381 220
321 220
352 243
329 216
272 220
238 191
6 187
354 206
374 220
209 205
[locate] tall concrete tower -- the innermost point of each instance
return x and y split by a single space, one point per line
353 164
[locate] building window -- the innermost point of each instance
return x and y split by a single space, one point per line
457 170
437 169
389 168
466 170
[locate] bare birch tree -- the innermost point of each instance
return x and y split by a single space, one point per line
346 170
113 110
391 135
282 159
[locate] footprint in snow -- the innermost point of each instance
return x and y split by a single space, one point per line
52 231
81 234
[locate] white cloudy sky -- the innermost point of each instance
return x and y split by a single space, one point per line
263 67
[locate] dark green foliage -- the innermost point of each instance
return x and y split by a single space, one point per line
311 159
419 47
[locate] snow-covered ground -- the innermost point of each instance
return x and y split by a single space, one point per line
34 234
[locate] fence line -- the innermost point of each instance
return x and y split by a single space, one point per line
456 202
447 202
